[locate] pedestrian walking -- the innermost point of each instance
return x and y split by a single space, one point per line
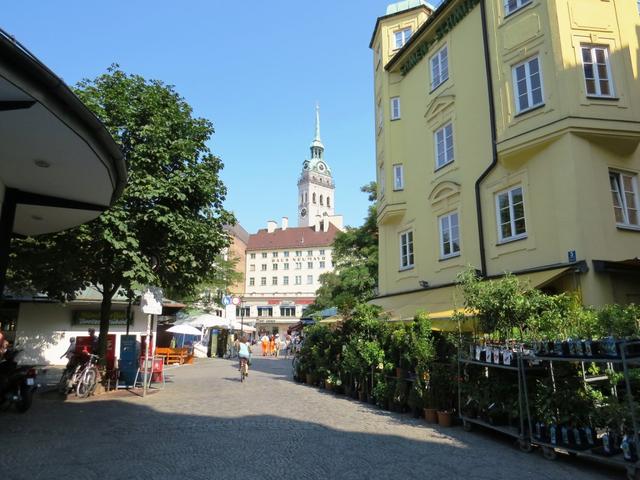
265 345
277 346
272 345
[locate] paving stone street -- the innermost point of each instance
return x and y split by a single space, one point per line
207 425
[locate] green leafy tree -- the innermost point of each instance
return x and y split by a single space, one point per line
167 227
355 258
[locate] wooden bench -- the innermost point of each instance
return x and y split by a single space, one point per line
173 355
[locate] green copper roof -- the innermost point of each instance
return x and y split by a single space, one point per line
406 5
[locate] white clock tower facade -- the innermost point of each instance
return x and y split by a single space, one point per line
316 190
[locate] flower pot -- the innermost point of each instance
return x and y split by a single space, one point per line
328 385
431 415
311 379
362 396
445 419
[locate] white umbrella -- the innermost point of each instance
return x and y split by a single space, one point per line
185 329
207 320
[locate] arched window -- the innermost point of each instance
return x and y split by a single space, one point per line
302 198
314 198
328 202
306 198
321 200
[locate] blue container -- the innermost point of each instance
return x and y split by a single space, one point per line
129 354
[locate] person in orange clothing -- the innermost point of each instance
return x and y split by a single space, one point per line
272 345
265 345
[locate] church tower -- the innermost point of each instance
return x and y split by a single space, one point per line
315 187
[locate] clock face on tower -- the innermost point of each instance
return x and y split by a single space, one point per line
303 212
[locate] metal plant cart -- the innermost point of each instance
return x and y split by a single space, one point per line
550 450
522 434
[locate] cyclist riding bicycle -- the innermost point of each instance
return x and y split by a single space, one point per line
244 352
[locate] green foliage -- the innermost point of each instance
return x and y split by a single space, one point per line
619 321
355 258
171 209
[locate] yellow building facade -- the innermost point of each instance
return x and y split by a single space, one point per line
507 138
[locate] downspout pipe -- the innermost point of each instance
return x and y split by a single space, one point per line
494 147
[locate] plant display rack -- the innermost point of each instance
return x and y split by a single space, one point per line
550 450
524 441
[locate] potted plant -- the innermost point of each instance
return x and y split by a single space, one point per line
444 387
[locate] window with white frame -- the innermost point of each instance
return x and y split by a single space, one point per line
265 311
287 311
321 251
406 249
395 108
309 253
298 279
309 279
527 84
298 265
624 190
510 214
252 281
263 267
274 266
449 235
322 264
263 281
274 254
252 268
285 266
398 177
443 139
310 265
511 6
439 67
298 253
285 280
252 255
286 253
597 71
264 254
402 37
274 280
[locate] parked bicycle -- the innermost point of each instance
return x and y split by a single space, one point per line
83 378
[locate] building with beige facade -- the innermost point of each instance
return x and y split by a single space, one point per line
507 138
283 263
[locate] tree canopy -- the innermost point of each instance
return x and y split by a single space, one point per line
167 227
355 259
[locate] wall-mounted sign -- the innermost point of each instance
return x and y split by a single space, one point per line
571 254
448 24
92 317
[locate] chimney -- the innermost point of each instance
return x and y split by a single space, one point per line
325 224
271 226
316 225
285 223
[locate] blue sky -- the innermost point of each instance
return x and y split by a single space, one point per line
254 68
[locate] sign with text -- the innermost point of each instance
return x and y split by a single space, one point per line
92 317
151 301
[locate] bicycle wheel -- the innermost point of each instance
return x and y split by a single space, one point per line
87 383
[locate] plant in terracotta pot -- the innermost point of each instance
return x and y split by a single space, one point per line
444 386
416 398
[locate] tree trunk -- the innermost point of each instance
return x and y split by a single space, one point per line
105 314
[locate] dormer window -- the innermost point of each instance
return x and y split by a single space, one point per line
402 37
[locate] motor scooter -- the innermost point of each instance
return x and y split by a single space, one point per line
17 383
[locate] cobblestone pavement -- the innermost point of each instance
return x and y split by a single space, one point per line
207 425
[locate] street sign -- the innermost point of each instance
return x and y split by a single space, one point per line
235 300
151 301
226 300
